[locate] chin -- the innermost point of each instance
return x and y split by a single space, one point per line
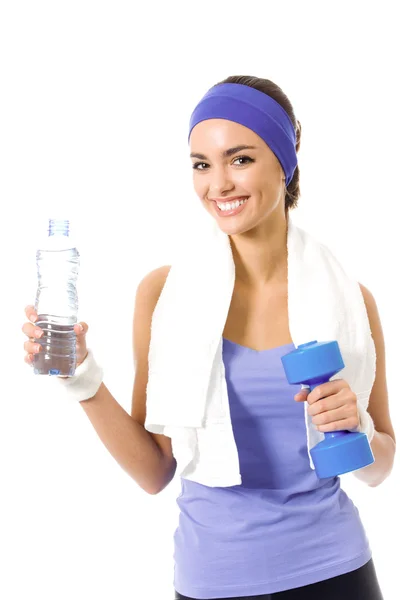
232 229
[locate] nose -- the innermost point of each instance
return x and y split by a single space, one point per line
219 182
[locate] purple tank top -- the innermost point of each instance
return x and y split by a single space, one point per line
281 528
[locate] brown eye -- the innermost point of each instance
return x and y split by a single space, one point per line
246 158
195 166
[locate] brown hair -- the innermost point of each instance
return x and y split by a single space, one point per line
292 192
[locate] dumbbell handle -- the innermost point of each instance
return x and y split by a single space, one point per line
327 434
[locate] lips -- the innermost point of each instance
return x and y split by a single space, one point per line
232 211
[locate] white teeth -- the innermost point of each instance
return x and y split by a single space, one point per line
231 205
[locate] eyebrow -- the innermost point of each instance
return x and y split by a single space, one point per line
226 153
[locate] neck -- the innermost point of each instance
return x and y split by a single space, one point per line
260 255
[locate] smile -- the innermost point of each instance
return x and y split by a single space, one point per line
228 209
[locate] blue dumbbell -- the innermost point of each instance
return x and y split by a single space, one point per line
341 451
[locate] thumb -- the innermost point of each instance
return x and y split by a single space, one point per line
81 348
302 395
81 329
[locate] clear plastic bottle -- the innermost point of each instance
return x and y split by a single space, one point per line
56 301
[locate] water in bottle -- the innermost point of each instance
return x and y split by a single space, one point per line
56 302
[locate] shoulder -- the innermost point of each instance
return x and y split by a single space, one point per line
150 287
373 317
147 294
367 295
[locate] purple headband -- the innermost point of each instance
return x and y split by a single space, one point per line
257 111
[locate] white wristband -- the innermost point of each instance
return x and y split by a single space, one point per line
86 381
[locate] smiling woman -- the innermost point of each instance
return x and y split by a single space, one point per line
232 163
215 157
244 138
210 399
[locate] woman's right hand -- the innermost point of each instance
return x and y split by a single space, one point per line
33 332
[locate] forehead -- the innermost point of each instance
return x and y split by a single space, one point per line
219 133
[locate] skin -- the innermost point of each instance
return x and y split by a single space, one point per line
258 238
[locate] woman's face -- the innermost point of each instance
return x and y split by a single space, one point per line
223 170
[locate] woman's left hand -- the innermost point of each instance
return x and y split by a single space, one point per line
332 405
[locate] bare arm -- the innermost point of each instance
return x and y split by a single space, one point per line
145 456
383 444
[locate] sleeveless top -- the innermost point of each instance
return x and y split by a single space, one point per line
282 528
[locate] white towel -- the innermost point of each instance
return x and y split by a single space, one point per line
187 396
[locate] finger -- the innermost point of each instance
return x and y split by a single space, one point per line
28 358
331 416
32 348
31 313
326 404
341 425
32 331
81 328
302 395
323 390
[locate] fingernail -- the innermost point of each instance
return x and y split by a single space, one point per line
33 318
80 327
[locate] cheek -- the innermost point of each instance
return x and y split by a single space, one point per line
269 180
253 180
200 186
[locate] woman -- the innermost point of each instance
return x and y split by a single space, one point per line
282 533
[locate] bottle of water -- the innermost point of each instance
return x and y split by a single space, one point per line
56 302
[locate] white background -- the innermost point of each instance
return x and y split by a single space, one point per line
95 103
